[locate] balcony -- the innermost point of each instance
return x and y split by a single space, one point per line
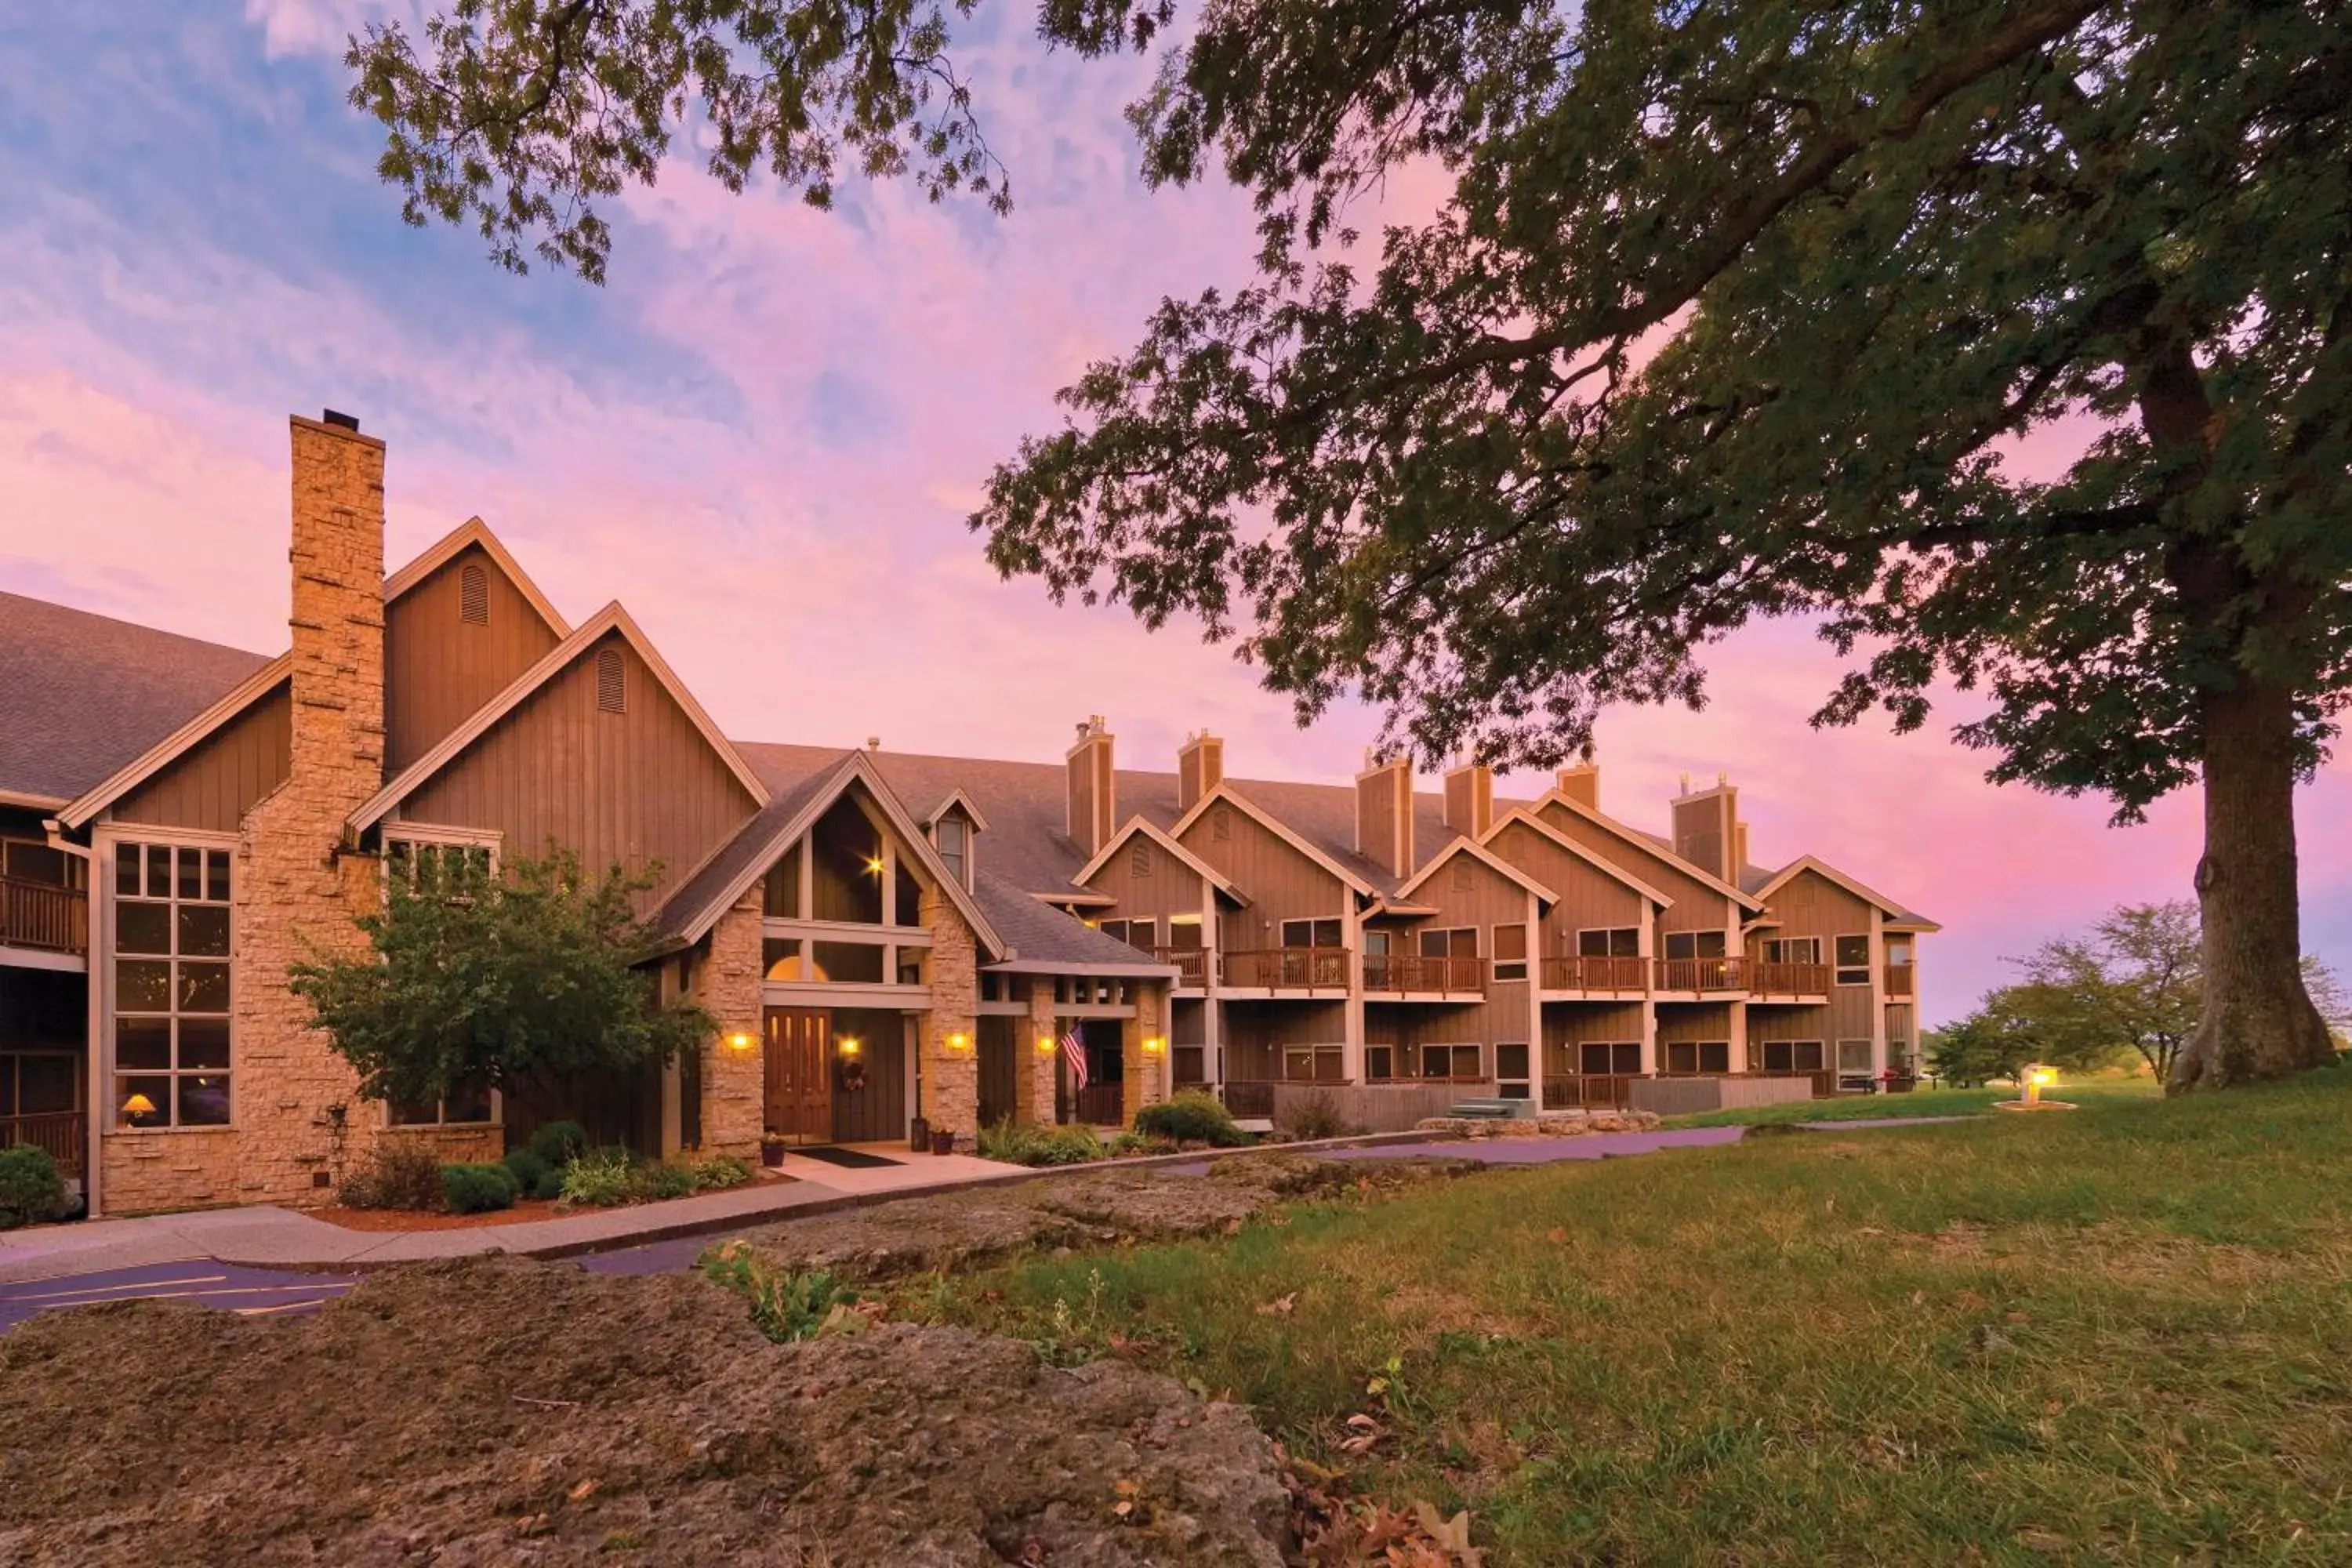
1401 973
1628 976
1701 974
65 1134
1898 982
1778 980
1192 964
44 917
1286 969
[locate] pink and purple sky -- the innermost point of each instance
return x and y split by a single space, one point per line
763 436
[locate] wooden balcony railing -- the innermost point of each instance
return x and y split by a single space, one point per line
1404 972
1788 979
1192 964
1253 1098
1898 982
64 1133
1101 1105
1588 1091
1573 974
1290 968
43 915
1702 974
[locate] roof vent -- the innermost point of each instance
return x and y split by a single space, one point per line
342 421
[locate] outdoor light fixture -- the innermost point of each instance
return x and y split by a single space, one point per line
874 864
958 1042
740 1042
1045 1044
1153 1044
849 1044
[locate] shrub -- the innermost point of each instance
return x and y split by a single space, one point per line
661 1181
786 1305
476 1189
559 1143
31 1190
1129 1143
720 1171
600 1178
401 1174
527 1169
1194 1116
1026 1143
1313 1115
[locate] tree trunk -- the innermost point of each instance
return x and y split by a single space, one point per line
2258 1021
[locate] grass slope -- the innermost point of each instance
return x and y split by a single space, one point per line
2101 1091
2120 1334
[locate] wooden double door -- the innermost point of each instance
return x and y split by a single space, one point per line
798 1101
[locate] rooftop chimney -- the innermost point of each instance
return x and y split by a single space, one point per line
1093 792
1707 832
1384 814
1470 799
336 616
1581 784
1200 768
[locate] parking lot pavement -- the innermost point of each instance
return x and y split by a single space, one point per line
250 1292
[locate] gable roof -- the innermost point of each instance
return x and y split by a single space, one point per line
1529 817
155 758
1226 793
1041 939
474 532
1191 862
83 695
1476 851
612 619
713 890
956 798
1803 863
1648 842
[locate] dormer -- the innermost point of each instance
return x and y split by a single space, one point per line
955 826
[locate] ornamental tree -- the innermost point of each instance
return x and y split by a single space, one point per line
1734 312
524 979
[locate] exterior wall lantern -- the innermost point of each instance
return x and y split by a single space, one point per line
958 1042
849 1044
1153 1046
1045 1047
740 1041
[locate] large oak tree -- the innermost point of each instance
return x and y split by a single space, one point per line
1733 312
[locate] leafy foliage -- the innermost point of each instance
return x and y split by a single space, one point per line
31 1190
558 1142
399 1174
1027 1143
1192 1116
477 1189
601 1178
787 1305
720 1171
526 978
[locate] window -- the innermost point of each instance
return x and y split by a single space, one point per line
473 596
1314 1064
1452 1061
1603 1057
781 898
1697 1056
1511 953
30 860
1455 942
171 985
1184 932
39 1083
1793 949
471 1104
432 862
1695 944
1379 1063
1138 858
1511 1077
910 964
846 962
1854 960
1311 933
952 835
1853 1057
909 894
1792 1055
779 958
1615 941
1376 944
1192 1065
1143 935
612 683
846 866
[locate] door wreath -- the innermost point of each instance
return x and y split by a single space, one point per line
851 1074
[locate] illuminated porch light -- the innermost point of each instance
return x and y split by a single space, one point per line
740 1041
1153 1046
1045 1044
958 1042
874 865
849 1044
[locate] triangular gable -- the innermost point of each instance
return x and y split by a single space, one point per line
1229 795
1647 845
689 926
610 619
1527 817
244 695
1182 855
1804 863
1492 862
476 532
956 800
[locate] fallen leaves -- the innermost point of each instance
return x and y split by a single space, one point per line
1280 1307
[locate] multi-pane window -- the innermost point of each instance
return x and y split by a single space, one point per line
780 894
1140 934
1853 1057
1511 953
1454 942
1511 1077
1792 1055
469 1104
1696 1056
1599 1057
1184 932
1854 960
1793 949
1311 933
1695 944
1379 1063
171 985
952 835
423 862
1450 1061
1613 942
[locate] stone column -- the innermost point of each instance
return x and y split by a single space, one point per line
951 1077
1146 1076
1036 1070
734 1077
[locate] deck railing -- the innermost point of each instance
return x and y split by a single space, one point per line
1788 979
1101 1105
1402 971
1898 982
64 1133
1588 1091
1570 973
1702 974
1286 968
1249 1097
1192 964
43 915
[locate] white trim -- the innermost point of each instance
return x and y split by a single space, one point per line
1225 792
1106 971
1637 839
1492 862
1527 815
449 546
240 696
32 802
1879 902
845 931
1868 965
957 797
1185 857
845 993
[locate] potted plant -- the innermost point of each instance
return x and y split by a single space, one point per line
942 1140
772 1149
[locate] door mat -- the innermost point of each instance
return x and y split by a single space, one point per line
848 1159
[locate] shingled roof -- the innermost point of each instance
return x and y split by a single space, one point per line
83 695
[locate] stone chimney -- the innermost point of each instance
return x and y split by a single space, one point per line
1581 783
1384 814
1470 799
337 619
1093 792
1200 768
1707 831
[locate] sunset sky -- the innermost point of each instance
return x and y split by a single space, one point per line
764 434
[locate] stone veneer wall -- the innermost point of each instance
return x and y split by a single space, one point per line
139 1171
734 1082
1037 1068
1145 1077
950 1091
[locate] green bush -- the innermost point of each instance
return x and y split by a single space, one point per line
400 1173
1026 1143
476 1189
1131 1143
661 1181
31 1190
526 1168
559 1143
600 1178
785 1305
720 1171
1194 1116
1313 1116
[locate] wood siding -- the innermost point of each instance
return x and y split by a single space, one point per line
1693 1021
1703 831
1280 883
1809 904
439 668
635 787
1696 906
211 785
1589 898
877 1112
1168 887
1568 1024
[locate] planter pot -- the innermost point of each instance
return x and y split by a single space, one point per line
772 1155
943 1141
919 1134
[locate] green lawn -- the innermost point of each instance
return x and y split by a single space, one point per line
2105 1089
2123 1334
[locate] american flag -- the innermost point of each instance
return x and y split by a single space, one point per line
1073 1051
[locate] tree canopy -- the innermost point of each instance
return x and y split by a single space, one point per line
1734 312
521 979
